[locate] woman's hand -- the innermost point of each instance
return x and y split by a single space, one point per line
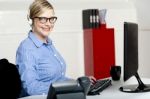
92 79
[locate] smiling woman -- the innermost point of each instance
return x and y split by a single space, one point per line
40 12
39 63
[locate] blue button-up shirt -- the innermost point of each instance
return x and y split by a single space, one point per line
39 65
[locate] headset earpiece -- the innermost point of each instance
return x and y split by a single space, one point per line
29 19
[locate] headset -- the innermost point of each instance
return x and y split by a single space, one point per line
30 21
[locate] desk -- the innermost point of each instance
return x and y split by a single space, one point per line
112 92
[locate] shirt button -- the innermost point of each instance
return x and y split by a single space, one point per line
62 73
55 55
61 63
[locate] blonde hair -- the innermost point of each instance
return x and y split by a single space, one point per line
37 7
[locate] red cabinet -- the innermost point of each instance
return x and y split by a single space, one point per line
99 51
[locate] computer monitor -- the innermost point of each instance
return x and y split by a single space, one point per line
131 58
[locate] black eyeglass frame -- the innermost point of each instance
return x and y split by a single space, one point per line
45 19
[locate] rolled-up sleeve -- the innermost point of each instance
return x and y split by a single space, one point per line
27 68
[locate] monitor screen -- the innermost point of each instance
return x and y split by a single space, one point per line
131 59
130 49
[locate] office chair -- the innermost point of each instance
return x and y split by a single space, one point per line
10 82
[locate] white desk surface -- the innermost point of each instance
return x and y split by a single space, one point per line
111 92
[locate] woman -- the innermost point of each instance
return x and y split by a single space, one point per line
38 61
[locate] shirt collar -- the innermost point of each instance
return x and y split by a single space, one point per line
38 43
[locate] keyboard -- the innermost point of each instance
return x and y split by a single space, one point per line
99 86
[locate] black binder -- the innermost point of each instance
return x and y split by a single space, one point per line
90 18
87 19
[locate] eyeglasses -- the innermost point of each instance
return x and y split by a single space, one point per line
43 20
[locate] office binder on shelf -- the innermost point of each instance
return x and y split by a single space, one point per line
87 19
90 18
94 18
97 20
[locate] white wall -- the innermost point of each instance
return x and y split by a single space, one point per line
68 34
143 17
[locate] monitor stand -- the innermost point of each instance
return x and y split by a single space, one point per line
141 87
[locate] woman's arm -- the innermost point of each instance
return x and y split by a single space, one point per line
29 77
